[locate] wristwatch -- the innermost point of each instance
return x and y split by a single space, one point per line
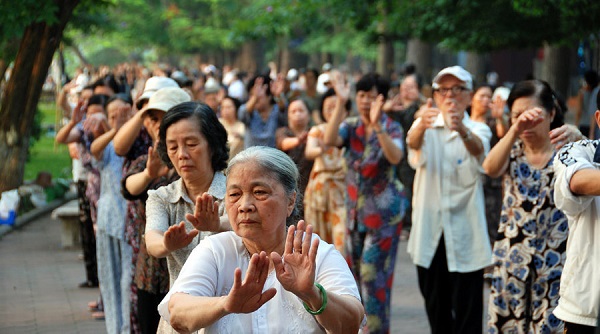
467 136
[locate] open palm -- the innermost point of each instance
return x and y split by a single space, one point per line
296 270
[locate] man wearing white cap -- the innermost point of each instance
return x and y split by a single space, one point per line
449 241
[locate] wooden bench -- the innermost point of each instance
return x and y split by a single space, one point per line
68 214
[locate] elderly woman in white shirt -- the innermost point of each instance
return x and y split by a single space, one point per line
267 275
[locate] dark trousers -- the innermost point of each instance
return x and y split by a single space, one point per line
147 312
453 301
571 328
88 239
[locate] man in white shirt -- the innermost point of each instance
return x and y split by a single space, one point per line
577 194
448 240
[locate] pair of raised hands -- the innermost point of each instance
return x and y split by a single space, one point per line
205 218
295 270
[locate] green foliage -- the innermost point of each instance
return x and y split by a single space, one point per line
108 56
15 16
498 24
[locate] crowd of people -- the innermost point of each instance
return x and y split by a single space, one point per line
275 202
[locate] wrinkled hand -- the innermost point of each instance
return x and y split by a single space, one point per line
455 122
154 165
247 296
78 112
376 110
564 134
528 119
176 237
277 86
123 115
296 269
497 107
341 87
96 124
206 214
260 88
428 114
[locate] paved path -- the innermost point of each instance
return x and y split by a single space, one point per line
39 280
39 293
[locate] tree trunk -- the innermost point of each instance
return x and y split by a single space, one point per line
284 54
418 53
23 91
554 70
246 60
385 57
3 68
476 66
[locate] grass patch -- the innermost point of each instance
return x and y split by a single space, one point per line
48 111
44 155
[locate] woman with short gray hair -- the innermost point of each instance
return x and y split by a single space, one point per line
264 277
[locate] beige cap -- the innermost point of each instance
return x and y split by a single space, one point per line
457 72
166 98
154 84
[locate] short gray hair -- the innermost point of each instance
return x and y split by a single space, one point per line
279 165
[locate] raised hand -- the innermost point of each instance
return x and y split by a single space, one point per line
78 112
97 124
528 119
206 214
296 270
176 237
247 296
123 115
341 87
455 122
428 114
497 107
376 109
154 165
278 86
259 89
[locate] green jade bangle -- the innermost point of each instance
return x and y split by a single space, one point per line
323 305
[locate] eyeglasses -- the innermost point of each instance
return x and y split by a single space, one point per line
454 89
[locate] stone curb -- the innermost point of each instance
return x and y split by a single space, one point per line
24 219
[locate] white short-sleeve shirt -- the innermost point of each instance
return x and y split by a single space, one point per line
209 271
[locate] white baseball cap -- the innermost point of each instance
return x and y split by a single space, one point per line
292 74
166 98
457 72
154 84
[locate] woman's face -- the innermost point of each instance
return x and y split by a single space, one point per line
310 79
522 104
188 150
257 204
409 89
481 101
152 120
228 111
364 100
298 114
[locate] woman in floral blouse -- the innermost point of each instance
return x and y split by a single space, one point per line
376 203
529 252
